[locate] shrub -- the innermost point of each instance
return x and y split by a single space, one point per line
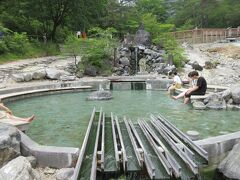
97 50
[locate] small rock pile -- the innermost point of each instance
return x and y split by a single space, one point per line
128 59
15 166
228 99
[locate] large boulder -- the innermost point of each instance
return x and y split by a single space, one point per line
100 95
142 37
27 77
229 167
9 143
39 74
18 169
197 66
236 94
199 105
215 101
53 74
18 77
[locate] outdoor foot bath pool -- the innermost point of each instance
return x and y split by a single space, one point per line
62 119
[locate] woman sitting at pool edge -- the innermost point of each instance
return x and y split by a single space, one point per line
6 113
177 83
199 87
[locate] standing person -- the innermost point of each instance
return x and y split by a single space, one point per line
7 114
177 83
199 89
79 34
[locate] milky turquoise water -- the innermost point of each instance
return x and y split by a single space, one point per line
62 119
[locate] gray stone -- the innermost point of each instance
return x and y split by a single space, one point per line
199 105
230 166
18 77
64 174
100 95
209 65
236 94
53 74
169 69
148 51
217 104
27 77
196 66
67 78
124 61
9 143
226 95
18 169
90 71
32 160
193 135
39 74
142 37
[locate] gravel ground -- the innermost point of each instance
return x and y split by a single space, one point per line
227 55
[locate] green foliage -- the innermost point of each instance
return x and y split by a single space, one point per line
205 13
97 50
161 36
17 43
155 7
172 47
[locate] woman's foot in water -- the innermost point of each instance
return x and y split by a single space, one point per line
30 119
174 97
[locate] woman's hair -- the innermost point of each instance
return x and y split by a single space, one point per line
193 73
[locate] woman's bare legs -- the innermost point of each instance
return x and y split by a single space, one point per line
182 94
21 119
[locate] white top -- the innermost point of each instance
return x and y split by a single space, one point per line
177 79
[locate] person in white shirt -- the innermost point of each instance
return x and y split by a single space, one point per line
177 83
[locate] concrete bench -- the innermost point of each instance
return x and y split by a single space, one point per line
193 97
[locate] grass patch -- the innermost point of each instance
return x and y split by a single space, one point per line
34 51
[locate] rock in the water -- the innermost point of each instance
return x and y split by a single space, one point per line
18 168
100 95
9 143
64 174
199 105
230 166
193 135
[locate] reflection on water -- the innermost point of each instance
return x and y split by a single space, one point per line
62 119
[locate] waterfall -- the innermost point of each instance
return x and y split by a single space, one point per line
100 88
136 59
